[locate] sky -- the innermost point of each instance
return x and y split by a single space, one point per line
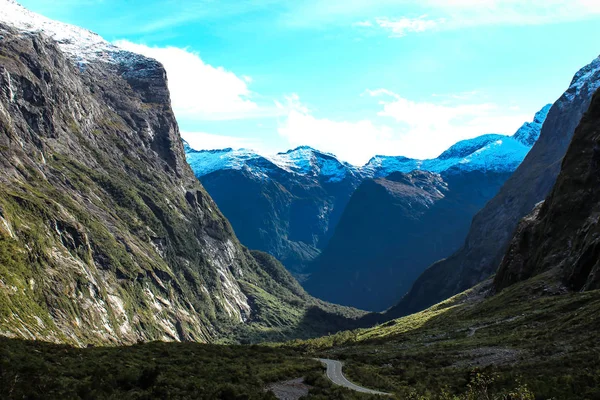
355 78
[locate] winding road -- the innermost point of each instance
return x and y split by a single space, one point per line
334 373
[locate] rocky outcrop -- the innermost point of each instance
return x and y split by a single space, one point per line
493 227
392 229
106 236
563 233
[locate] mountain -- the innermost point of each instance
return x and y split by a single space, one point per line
286 205
496 153
396 226
289 204
492 228
561 235
106 236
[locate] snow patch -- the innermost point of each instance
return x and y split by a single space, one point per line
81 45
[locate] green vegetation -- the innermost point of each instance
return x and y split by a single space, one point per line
531 335
36 370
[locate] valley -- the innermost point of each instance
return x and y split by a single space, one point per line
133 266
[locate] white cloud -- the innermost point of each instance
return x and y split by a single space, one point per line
457 14
413 129
400 27
364 24
354 142
199 91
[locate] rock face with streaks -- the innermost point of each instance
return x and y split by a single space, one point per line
562 234
106 236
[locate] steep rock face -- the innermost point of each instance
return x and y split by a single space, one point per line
493 226
392 229
563 233
286 205
106 236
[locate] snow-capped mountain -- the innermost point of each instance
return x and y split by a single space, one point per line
289 204
492 152
303 161
80 45
285 204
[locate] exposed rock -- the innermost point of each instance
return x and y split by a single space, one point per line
106 236
563 233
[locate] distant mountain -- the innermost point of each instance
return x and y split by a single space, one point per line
493 227
286 205
394 227
289 204
486 153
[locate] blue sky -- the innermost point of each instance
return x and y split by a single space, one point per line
351 77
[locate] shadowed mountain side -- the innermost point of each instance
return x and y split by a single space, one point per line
563 233
392 229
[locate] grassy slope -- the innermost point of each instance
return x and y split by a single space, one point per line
531 334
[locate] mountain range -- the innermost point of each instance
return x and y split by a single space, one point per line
395 226
111 249
289 204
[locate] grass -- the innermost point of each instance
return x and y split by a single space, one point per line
531 335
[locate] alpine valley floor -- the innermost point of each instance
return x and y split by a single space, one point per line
534 340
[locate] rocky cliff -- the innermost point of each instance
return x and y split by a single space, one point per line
493 227
562 235
106 236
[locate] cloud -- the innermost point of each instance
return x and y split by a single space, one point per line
460 14
201 92
429 128
402 26
402 127
354 142
364 24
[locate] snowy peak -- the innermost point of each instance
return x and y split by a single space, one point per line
303 161
464 148
587 79
491 152
529 133
77 42
81 45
